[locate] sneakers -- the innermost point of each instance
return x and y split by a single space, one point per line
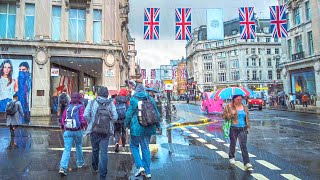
248 166
139 172
63 172
148 175
232 161
116 148
79 167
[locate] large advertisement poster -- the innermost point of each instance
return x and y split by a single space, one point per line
16 78
303 82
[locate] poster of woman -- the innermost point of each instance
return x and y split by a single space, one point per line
15 77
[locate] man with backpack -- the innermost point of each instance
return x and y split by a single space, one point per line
14 113
101 114
63 100
73 123
122 102
143 118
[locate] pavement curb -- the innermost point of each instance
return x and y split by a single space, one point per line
34 126
307 112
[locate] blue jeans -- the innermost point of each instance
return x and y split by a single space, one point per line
69 137
143 141
100 142
241 134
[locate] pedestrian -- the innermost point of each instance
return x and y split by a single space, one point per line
63 101
73 124
14 113
140 134
100 114
305 100
84 100
292 99
239 115
122 102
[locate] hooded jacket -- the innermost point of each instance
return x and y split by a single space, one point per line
91 110
122 97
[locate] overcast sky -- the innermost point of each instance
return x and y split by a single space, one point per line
153 53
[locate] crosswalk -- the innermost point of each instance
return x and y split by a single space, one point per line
197 134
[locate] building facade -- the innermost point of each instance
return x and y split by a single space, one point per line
301 50
234 62
73 44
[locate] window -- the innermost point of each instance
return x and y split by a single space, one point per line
248 74
97 24
276 40
297 16
288 21
207 56
270 75
247 51
207 78
258 39
235 75
269 62
310 43
308 11
277 62
207 66
254 75
29 21
235 31
253 62
222 65
278 75
207 45
222 77
290 48
235 63
276 50
268 39
56 23
268 51
298 44
7 20
260 75
259 61
77 25
253 50
247 61
259 50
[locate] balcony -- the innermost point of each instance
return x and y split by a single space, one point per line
297 56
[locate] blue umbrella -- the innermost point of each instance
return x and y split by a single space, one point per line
152 89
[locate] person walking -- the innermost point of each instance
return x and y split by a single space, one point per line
140 135
305 100
122 102
100 113
63 100
292 100
73 123
239 115
14 114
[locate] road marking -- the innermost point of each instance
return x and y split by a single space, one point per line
193 135
201 131
195 128
189 132
259 176
290 176
228 145
201 140
89 150
250 155
210 146
240 165
268 165
299 121
183 129
209 135
218 139
223 154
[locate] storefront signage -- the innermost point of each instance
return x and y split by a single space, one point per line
168 87
54 72
110 73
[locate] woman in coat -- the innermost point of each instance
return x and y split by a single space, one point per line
14 120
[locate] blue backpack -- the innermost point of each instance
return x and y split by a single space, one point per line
72 121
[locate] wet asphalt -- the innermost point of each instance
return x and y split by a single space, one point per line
282 145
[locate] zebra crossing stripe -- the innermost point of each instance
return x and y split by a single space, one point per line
183 129
268 165
195 128
209 135
194 135
218 139
201 131
210 146
240 165
290 176
223 154
201 140
259 176
250 155
189 132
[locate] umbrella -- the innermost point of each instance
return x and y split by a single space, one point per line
227 93
152 89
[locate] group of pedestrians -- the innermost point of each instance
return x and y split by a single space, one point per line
103 118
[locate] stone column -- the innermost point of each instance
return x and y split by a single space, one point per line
315 15
317 81
41 83
64 21
110 70
42 19
108 21
20 11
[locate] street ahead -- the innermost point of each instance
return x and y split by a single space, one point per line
282 145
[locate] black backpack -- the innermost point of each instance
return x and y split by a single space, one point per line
11 108
147 114
63 99
121 109
103 123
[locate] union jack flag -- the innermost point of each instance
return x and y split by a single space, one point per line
278 21
183 24
153 73
143 73
247 23
183 73
151 23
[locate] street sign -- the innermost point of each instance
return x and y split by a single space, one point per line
110 73
168 81
54 72
168 87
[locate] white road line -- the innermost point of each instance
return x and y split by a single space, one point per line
195 128
228 145
250 155
268 165
290 176
209 135
201 131
259 176
201 140
193 135
240 165
89 150
218 139
300 121
210 146
189 132
183 129
223 154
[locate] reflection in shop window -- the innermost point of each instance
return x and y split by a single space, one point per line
304 82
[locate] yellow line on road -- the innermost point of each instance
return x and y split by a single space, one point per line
209 135
268 165
194 135
210 146
223 154
250 155
201 140
259 176
290 176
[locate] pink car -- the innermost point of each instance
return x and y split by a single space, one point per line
210 105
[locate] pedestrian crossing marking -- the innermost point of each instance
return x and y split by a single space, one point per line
183 129
195 128
240 165
218 139
259 176
189 132
194 135
201 131
228 145
90 150
250 155
210 146
268 165
201 140
223 154
209 135
290 176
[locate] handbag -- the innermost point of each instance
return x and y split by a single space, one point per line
226 126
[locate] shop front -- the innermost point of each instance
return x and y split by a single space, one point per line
303 81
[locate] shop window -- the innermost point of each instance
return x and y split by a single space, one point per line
7 20
56 23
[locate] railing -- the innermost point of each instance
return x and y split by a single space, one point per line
297 56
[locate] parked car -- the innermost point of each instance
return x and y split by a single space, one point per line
255 101
210 105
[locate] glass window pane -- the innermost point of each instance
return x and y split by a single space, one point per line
73 30
30 9
81 30
12 9
3 8
97 16
97 32
81 14
73 13
29 27
56 29
56 11
11 26
3 20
